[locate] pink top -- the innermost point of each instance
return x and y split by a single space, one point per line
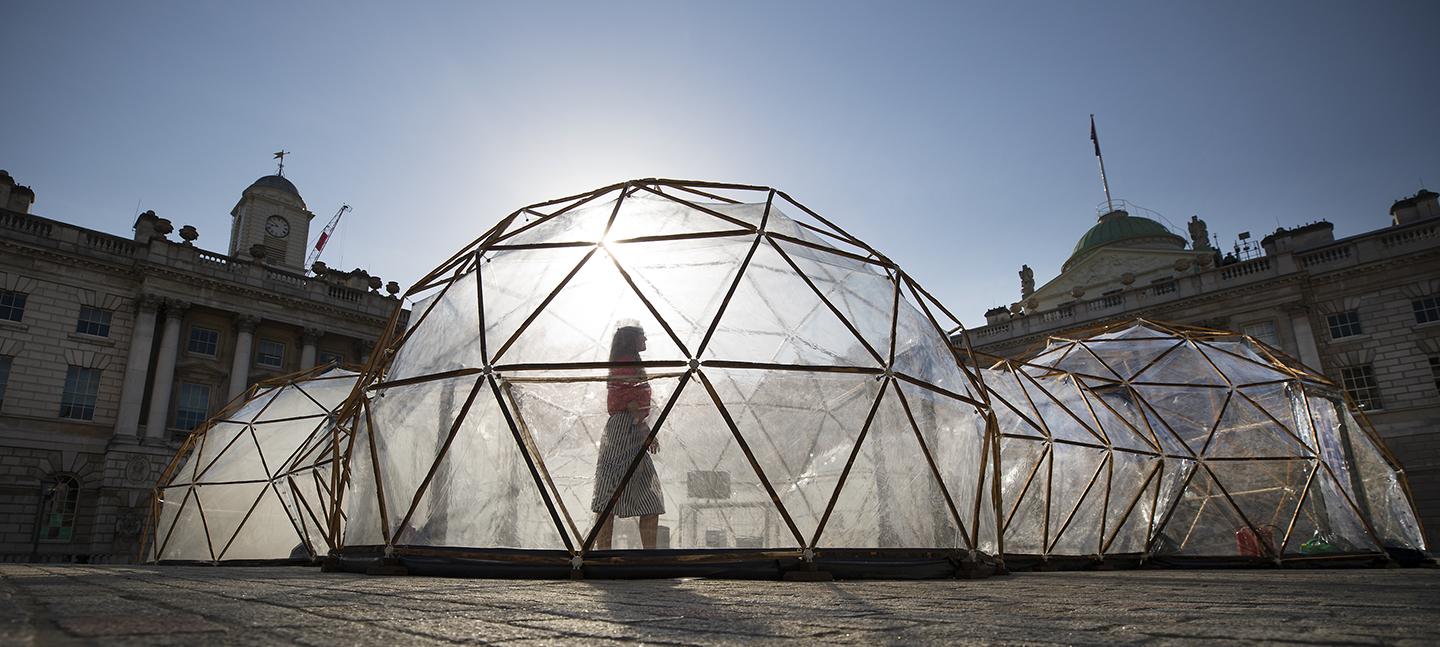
626 385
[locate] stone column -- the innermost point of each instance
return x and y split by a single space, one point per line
240 363
137 367
307 351
165 370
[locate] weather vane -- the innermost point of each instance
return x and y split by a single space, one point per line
280 155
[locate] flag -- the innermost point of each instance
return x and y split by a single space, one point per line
1093 137
320 244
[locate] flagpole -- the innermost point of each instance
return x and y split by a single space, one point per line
1109 204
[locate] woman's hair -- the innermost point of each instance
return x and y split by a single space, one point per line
626 344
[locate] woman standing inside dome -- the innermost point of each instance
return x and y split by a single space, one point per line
628 403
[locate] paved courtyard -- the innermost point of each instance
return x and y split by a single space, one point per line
75 604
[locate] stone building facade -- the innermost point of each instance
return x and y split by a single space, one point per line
1364 309
113 348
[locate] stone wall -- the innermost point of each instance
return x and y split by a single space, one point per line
45 342
21 474
1398 349
61 268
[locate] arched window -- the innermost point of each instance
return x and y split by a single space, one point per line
59 499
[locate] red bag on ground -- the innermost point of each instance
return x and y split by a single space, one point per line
1249 543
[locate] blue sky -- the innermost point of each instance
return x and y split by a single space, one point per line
952 136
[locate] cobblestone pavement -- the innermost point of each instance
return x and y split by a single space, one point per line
74 604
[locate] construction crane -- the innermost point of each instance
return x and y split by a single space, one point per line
325 236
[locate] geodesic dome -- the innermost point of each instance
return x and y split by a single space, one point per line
794 400
255 482
1149 441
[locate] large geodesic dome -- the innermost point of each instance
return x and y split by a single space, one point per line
1156 442
256 482
674 376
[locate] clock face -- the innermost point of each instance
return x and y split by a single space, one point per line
277 227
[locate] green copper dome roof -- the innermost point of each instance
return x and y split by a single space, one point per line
1118 226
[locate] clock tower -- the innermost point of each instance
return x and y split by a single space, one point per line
271 214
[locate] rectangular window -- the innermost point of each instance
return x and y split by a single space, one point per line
1360 384
1427 309
192 405
1263 331
12 305
270 353
1434 372
1344 324
327 357
5 375
93 321
203 341
81 386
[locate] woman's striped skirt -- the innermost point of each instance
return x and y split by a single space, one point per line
624 438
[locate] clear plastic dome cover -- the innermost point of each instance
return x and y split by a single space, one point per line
695 372
1171 442
255 482
709 367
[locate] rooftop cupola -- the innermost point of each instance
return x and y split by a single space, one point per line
271 214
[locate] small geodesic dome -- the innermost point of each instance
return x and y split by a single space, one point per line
806 405
255 482
1149 441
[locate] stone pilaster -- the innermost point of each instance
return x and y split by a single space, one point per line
240 363
1304 337
307 350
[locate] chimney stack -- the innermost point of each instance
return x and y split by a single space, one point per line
15 197
1417 207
